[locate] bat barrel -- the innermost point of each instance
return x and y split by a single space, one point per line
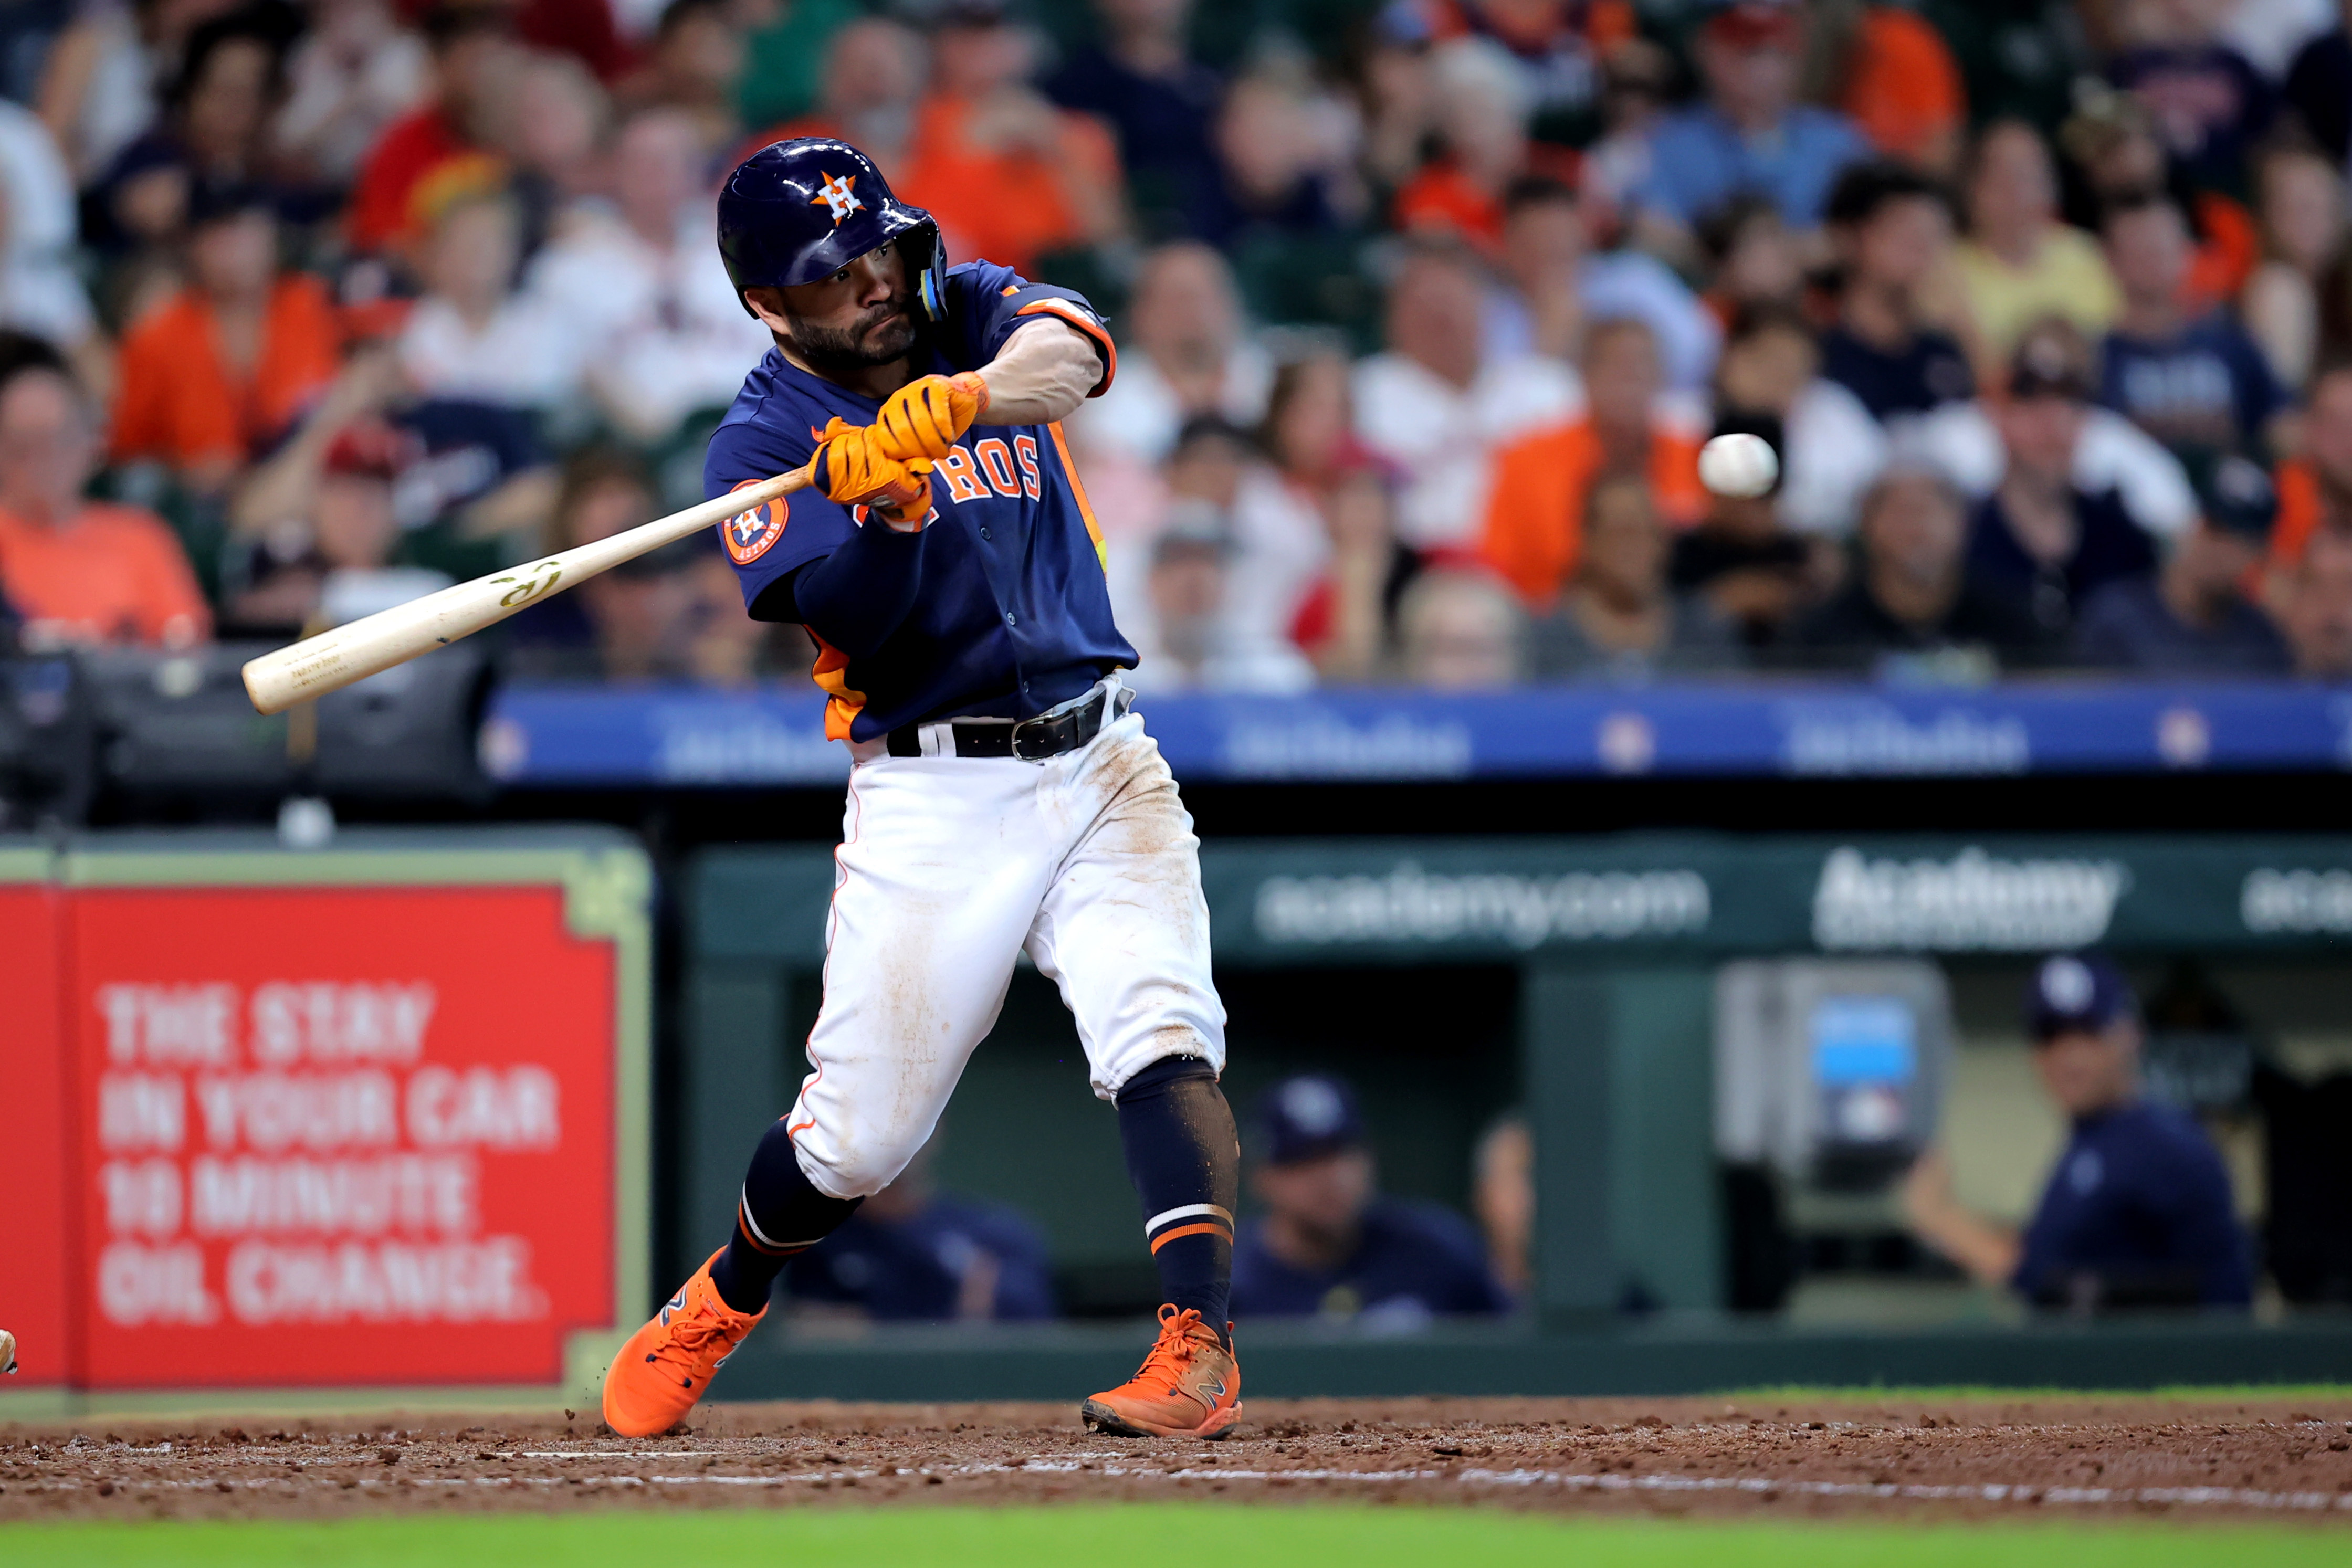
333 660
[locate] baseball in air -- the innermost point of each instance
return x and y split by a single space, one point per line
1740 465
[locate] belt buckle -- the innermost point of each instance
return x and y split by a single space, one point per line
1071 713
1025 727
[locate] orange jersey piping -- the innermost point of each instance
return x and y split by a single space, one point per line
1062 310
1086 508
831 673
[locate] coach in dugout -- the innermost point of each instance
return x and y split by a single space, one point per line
1326 1243
2138 1211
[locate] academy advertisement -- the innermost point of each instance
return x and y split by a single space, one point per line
340 1135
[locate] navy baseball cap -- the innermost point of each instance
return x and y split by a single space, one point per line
1306 1117
2236 495
2075 992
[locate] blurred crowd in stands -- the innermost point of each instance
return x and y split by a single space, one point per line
1425 307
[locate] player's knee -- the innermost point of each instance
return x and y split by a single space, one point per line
862 1164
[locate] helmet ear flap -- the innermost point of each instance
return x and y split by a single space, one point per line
931 285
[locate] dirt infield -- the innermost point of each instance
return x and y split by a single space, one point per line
2086 1457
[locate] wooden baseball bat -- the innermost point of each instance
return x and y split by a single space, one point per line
334 659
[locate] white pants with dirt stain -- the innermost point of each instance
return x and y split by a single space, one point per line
952 867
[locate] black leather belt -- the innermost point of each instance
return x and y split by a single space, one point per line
1049 735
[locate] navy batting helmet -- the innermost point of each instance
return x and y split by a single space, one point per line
795 212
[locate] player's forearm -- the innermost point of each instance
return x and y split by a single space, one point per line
855 597
1042 374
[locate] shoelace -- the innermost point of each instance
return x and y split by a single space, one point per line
1172 1352
693 1334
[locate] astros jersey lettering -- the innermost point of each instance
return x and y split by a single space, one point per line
998 607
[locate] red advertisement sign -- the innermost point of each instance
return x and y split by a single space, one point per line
36 1266
340 1135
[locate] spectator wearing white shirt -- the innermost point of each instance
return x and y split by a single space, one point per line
40 292
1836 451
1280 547
2269 32
41 217
645 285
1186 637
1275 544
1552 282
474 337
1434 405
1186 351
356 72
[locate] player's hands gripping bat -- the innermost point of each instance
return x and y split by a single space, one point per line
923 418
852 467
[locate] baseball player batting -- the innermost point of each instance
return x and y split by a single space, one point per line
1003 797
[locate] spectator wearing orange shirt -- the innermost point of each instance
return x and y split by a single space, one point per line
474 57
227 364
1009 176
74 570
1894 76
1535 511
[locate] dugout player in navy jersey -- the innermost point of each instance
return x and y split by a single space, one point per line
1328 1244
1003 799
2137 1210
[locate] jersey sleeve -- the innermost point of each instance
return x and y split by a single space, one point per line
993 302
767 544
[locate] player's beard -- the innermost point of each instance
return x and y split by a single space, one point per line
883 334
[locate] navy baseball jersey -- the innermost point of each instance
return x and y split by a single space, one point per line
997 607
2140 1201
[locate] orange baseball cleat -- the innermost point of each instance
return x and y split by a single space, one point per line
666 1366
1188 1386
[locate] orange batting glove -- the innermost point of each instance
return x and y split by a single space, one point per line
923 418
850 467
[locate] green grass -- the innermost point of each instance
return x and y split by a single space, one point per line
1177 1535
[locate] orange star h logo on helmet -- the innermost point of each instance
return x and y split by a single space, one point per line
836 195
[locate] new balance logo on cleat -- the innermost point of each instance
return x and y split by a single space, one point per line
1187 1388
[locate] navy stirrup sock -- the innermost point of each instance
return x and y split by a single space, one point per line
780 1216
1186 1161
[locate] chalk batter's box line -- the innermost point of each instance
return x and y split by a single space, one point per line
1996 1492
